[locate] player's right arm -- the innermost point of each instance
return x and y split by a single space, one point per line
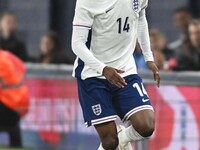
83 20
82 23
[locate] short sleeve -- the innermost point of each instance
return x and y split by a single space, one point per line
83 15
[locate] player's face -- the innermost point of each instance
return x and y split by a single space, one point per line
194 33
46 45
8 23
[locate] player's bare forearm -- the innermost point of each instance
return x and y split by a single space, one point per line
152 66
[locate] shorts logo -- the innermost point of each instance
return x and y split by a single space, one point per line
135 5
97 109
145 100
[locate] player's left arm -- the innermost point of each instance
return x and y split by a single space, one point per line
144 41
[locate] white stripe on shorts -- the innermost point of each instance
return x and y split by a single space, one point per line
86 124
137 109
104 120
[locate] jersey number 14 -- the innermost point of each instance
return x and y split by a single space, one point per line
126 26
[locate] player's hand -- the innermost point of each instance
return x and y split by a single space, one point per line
112 75
151 65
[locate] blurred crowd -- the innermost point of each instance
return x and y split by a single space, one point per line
180 55
50 49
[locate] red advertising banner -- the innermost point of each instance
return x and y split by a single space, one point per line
53 108
56 117
177 118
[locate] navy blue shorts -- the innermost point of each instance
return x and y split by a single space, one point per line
102 102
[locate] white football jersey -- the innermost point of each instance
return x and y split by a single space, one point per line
114 25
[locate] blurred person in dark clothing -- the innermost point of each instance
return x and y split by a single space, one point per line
182 17
189 57
51 51
158 46
8 39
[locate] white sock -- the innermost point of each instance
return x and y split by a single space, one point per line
129 134
101 147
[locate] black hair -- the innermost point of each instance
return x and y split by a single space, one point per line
184 9
53 36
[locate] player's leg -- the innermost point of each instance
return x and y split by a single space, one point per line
96 102
143 122
142 127
108 135
132 104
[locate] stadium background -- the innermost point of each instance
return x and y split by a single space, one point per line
55 121
36 17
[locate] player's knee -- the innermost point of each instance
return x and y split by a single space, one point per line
110 142
146 129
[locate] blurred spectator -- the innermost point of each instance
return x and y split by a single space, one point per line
194 34
158 46
182 16
51 51
159 42
14 96
139 58
189 57
8 39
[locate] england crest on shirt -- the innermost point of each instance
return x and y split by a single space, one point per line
97 109
135 5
